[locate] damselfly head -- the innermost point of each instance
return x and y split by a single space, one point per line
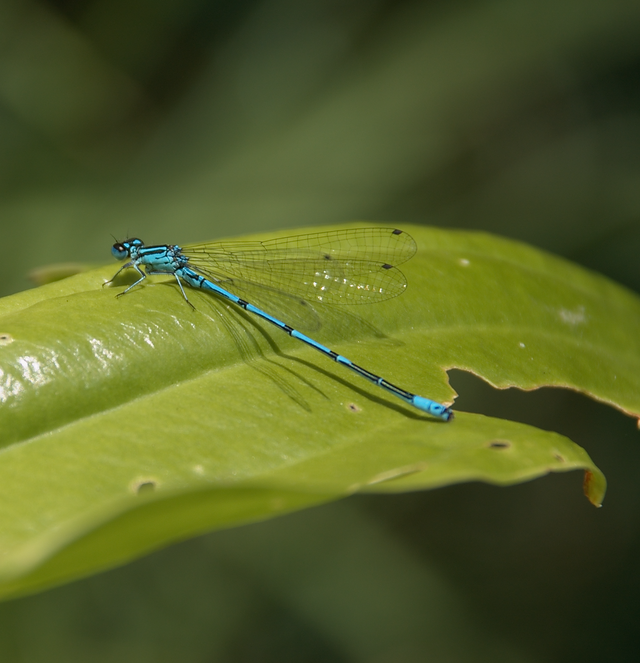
122 250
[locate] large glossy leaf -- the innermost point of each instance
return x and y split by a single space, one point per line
129 423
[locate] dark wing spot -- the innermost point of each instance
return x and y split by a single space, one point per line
387 266
397 232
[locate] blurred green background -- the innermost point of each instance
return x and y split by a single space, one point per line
190 120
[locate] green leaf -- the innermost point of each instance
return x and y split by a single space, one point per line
56 272
133 422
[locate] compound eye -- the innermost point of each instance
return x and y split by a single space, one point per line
119 251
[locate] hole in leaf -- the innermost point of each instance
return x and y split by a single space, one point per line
144 486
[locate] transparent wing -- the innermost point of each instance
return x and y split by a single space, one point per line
296 310
354 266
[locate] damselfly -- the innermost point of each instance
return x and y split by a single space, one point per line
350 266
